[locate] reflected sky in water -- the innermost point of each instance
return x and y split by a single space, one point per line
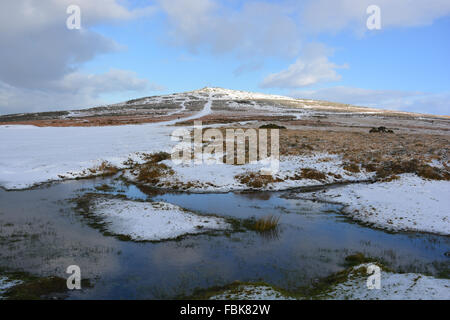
41 233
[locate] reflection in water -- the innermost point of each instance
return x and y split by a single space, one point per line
42 234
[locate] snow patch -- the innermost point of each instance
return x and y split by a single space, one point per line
31 155
394 286
219 177
409 203
152 221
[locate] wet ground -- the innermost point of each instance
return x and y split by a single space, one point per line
42 233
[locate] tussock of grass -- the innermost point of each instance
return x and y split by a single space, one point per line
381 130
352 167
35 288
156 157
311 174
104 169
390 168
153 172
356 259
265 224
272 126
256 180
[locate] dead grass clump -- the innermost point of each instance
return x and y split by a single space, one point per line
311 174
352 167
426 171
391 178
37 289
153 172
256 180
265 224
104 169
433 173
370 167
335 175
272 126
381 130
156 157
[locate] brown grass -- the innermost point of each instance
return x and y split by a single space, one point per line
153 172
387 155
267 223
105 169
352 167
37 289
156 157
256 180
312 174
389 168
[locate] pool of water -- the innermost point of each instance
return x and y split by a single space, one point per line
42 233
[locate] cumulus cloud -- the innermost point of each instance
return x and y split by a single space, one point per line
412 101
270 28
40 55
74 90
335 15
312 67
255 28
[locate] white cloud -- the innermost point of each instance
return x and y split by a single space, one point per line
412 101
22 16
311 68
255 28
335 15
40 56
270 28
74 90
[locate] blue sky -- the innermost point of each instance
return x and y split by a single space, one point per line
313 49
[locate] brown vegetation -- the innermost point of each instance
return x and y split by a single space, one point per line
256 180
152 170
311 174
384 154
105 169
265 224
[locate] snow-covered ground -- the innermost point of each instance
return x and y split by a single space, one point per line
222 177
409 203
298 113
393 286
31 155
250 292
152 221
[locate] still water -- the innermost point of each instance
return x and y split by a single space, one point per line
42 233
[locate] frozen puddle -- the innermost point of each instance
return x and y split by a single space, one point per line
393 286
152 221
